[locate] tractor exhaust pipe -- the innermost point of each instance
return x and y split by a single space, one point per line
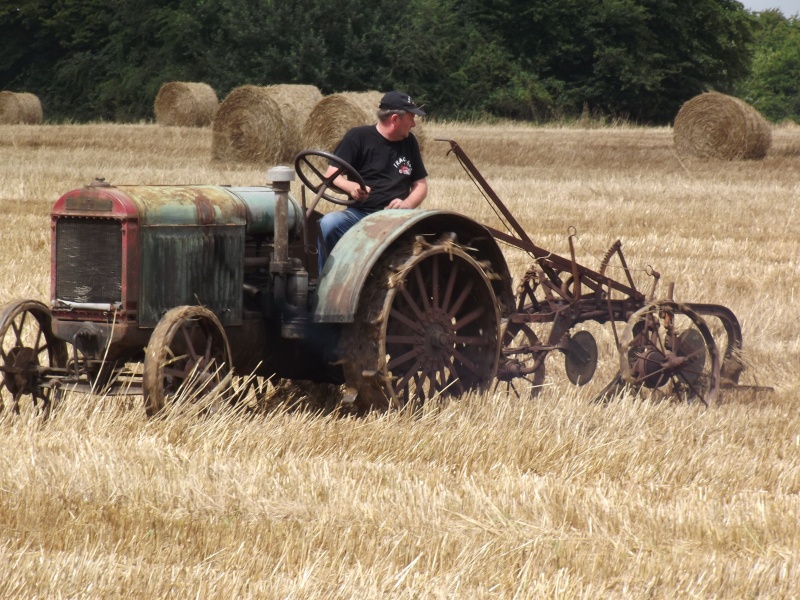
290 283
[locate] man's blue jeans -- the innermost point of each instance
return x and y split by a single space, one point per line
333 226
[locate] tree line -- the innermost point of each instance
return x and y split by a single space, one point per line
637 60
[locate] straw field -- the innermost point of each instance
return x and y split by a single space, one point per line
489 496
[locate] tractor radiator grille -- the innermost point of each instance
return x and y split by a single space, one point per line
89 260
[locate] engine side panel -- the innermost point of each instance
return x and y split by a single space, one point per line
191 265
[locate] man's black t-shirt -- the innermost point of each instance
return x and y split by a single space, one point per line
389 168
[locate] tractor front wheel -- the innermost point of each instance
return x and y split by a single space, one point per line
188 359
28 348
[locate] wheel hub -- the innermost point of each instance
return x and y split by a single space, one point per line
438 337
650 368
18 366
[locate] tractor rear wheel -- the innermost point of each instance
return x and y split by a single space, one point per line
428 326
27 347
188 358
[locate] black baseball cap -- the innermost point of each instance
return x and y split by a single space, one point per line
400 101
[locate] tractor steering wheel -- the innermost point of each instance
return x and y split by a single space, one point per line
326 183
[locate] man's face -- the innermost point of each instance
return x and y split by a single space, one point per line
404 124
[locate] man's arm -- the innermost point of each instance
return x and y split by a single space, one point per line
419 189
351 187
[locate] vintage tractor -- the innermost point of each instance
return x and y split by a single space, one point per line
172 291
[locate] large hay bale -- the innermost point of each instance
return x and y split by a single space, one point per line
334 115
18 108
185 104
713 125
262 124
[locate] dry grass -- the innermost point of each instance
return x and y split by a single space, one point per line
487 497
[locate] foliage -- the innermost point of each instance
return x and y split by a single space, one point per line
522 59
774 84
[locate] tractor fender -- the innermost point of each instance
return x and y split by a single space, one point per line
354 256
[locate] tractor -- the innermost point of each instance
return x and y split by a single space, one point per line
172 292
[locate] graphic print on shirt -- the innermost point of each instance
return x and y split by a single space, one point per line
403 166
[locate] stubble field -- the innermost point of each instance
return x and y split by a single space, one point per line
488 496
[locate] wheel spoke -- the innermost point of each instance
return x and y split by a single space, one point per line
465 361
39 335
423 292
461 299
699 393
473 340
415 325
405 357
411 302
407 377
457 379
414 340
469 318
435 282
17 328
448 292
209 345
188 341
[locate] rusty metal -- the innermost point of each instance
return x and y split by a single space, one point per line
552 292
429 327
355 256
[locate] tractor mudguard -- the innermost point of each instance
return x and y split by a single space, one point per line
354 256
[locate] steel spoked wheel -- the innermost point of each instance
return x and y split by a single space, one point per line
521 365
188 358
433 331
669 348
28 348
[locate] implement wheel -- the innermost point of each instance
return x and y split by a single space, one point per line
521 364
668 347
428 326
188 357
27 348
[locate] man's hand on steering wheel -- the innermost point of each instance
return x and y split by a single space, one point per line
359 191
360 194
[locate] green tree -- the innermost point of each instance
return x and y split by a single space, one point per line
636 58
528 59
774 84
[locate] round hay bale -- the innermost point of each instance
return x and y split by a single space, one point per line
334 115
262 124
713 125
18 108
185 104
